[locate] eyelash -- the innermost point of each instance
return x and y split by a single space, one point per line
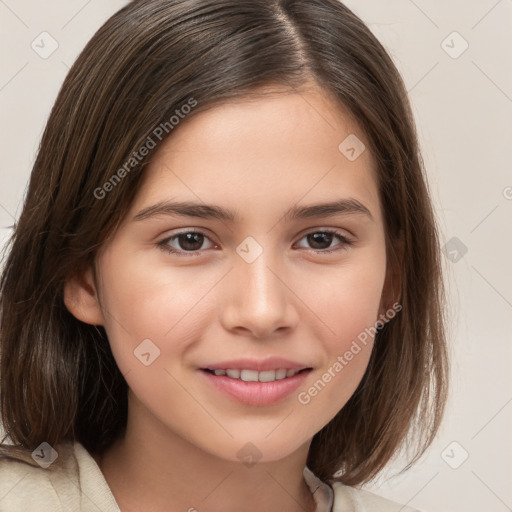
345 242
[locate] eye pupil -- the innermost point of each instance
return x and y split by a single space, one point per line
316 238
190 238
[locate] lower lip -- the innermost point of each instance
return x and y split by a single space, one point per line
256 393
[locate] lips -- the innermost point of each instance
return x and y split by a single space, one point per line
257 382
260 394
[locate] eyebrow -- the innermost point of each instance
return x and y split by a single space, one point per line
348 206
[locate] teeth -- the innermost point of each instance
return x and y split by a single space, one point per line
267 376
281 374
249 375
255 376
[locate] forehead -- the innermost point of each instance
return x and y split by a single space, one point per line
262 152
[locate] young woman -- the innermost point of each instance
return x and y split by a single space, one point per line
224 290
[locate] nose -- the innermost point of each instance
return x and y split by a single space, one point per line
259 302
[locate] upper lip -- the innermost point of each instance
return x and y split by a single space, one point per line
261 365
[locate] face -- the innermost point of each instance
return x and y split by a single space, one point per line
264 281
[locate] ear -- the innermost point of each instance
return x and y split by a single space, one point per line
81 298
391 292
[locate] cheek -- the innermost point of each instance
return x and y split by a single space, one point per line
347 296
144 299
142 302
346 358
348 305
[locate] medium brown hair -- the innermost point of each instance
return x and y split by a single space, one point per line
59 380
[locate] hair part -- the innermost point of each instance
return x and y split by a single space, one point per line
59 380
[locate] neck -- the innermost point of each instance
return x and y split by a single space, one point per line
153 468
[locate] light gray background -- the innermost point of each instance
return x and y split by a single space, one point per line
463 109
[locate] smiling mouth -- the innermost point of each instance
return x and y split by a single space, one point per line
254 375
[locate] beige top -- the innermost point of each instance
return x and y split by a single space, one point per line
75 483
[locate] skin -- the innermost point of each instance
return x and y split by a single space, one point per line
259 157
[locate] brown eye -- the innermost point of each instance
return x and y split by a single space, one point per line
190 242
320 241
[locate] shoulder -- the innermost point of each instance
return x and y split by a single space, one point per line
359 500
25 483
338 497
